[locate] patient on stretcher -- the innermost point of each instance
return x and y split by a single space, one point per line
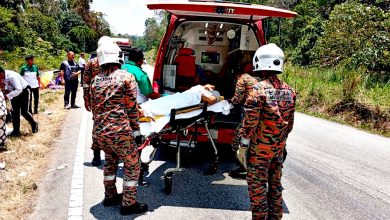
193 96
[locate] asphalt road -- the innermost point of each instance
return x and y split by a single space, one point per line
332 172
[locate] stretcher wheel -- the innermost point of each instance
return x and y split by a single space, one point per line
168 184
213 167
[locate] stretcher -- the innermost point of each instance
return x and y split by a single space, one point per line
178 122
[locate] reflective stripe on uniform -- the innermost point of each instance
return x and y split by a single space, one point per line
131 183
109 178
245 141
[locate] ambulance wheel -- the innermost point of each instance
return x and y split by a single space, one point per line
168 184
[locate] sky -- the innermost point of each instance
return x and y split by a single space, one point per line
124 16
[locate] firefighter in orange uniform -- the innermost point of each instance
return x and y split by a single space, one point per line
269 118
116 127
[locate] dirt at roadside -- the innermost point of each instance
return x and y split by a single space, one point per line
27 157
362 116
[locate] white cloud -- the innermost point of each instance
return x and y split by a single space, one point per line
124 16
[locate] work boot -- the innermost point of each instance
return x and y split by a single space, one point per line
96 161
136 208
239 173
15 134
2 147
115 200
34 127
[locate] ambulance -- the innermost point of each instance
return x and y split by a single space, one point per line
210 42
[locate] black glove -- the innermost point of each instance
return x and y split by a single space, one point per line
139 140
138 137
155 142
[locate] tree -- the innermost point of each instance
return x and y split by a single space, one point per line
34 24
68 20
81 35
302 32
49 8
152 36
9 30
357 35
13 4
81 7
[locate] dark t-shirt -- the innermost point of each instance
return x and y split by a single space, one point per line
74 67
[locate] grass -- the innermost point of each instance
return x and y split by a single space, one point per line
26 158
343 96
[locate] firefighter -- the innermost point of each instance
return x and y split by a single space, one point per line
269 117
92 68
244 86
116 128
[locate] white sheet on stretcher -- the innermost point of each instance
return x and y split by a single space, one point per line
156 126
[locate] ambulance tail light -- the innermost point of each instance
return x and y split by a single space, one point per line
156 87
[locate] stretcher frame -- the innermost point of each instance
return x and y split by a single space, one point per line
177 126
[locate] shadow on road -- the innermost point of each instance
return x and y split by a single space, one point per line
191 188
89 164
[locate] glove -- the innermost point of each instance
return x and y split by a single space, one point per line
155 142
139 140
242 155
138 137
243 150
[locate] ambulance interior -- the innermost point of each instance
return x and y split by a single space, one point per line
209 52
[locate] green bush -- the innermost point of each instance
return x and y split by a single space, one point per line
357 36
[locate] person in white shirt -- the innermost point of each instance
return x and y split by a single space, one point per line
16 90
82 66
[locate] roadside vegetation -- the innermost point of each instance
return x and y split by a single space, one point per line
46 29
25 162
342 95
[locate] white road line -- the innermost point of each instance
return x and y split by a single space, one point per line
75 210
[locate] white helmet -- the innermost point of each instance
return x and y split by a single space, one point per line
268 57
109 52
103 40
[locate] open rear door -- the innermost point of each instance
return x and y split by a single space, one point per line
219 9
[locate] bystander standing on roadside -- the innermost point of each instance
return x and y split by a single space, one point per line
70 71
30 73
82 67
19 96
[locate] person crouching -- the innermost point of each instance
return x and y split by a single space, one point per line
113 101
19 94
